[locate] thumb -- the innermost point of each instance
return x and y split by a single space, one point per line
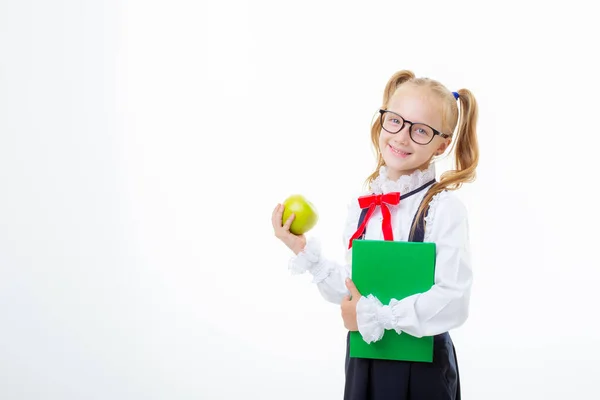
352 288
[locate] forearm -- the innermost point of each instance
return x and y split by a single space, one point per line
426 314
328 275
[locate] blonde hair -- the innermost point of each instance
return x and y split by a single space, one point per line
465 145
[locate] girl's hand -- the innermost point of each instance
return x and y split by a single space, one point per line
295 243
348 306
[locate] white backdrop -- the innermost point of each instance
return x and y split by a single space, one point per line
145 144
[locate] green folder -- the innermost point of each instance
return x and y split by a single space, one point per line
392 269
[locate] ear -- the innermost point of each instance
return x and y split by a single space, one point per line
442 148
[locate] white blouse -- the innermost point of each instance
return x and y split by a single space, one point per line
443 307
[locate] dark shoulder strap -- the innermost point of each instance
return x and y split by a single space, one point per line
363 213
417 228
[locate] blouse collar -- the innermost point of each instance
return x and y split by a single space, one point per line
406 183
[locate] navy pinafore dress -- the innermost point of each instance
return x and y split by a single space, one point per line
371 379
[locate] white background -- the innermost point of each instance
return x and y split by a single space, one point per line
143 146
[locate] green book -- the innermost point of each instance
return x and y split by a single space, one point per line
390 269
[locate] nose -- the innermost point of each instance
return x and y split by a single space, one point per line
403 136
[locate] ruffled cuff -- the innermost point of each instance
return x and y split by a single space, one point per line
309 259
373 318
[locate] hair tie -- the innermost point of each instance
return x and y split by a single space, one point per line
455 95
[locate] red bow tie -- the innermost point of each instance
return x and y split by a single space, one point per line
372 201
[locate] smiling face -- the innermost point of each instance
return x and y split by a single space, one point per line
401 154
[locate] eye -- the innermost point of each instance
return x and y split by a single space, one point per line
422 130
392 120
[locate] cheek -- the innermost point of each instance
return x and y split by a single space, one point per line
382 139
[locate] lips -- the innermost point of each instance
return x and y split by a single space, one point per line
399 152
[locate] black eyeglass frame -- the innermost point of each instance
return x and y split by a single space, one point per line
405 121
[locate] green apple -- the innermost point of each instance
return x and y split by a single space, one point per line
306 216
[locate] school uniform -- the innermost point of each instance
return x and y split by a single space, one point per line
432 313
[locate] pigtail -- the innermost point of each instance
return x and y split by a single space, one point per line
466 151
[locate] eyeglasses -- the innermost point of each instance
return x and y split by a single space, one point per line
419 133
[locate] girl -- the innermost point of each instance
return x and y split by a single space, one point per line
417 121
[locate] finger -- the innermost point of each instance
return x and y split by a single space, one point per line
352 288
346 298
276 217
275 210
289 221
